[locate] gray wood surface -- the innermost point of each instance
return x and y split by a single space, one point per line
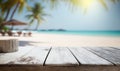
86 57
35 56
108 55
118 48
114 51
8 57
61 57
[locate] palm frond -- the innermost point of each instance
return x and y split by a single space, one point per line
103 3
29 16
31 22
114 1
37 13
21 7
52 3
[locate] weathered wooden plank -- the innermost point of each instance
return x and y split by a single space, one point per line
85 57
7 57
116 48
58 68
61 57
113 51
36 56
105 54
1 54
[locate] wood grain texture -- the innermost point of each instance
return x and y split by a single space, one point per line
61 57
105 54
85 57
114 51
58 68
8 57
118 48
35 56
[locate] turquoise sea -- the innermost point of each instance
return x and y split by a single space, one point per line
90 33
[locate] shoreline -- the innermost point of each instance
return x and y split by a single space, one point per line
60 40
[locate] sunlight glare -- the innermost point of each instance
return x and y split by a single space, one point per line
86 3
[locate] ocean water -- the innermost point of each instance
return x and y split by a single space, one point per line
90 33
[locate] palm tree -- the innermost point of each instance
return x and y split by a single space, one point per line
20 4
6 7
36 13
12 6
9 5
1 20
1 1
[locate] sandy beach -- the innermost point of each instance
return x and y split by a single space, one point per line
55 40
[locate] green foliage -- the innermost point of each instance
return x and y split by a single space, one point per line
1 20
36 13
22 4
5 28
85 4
53 3
103 3
7 6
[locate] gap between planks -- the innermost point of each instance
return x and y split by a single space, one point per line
97 53
74 56
47 56
60 57
114 52
86 57
37 56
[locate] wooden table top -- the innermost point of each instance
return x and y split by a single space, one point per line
62 56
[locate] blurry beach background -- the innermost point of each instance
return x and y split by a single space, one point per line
92 23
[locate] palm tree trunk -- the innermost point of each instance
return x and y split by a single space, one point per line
7 14
37 25
13 13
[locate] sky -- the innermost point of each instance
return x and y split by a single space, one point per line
63 17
